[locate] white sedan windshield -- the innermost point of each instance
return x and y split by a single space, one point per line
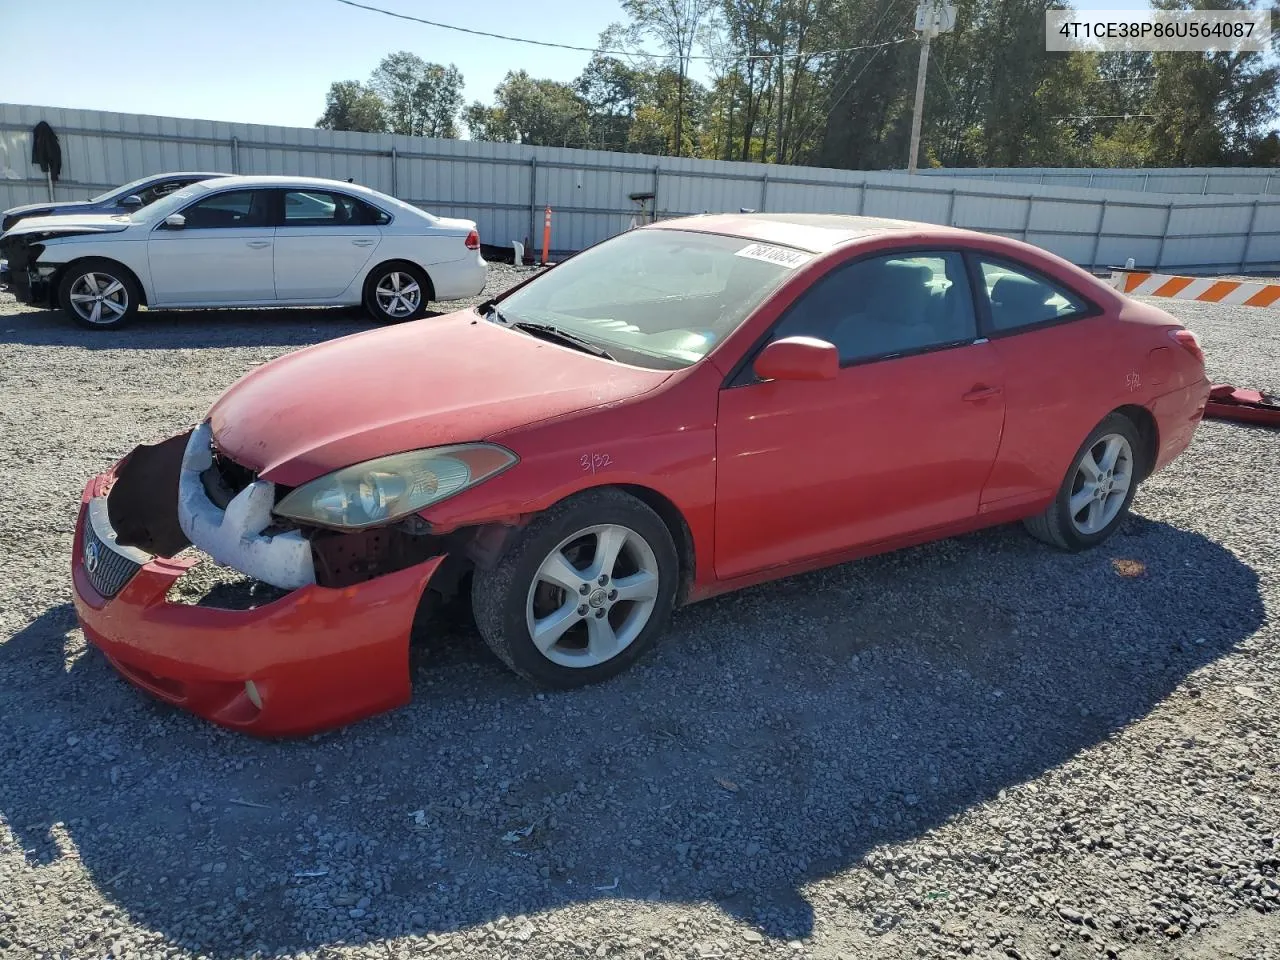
659 298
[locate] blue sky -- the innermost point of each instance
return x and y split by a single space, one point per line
271 61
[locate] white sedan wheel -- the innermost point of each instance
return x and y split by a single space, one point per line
99 298
398 294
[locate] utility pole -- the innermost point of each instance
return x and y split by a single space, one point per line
932 17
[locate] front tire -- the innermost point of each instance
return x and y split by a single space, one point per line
98 294
583 593
396 292
1097 491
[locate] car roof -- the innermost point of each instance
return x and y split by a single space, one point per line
814 232
316 183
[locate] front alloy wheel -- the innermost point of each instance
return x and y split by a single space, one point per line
98 295
584 591
592 596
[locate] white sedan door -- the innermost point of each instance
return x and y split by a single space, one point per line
323 242
223 254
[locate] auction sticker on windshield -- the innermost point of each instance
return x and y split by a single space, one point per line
782 256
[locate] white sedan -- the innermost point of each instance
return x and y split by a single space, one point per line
246 242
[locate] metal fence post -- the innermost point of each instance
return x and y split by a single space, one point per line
395 174
1248 237
764 190
862 197
1204 188
533 196
1145 178
951 208
657 172
1164 234
235 155
1097 235
1026 223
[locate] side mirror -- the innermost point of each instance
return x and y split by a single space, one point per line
131 202
175 221
798 358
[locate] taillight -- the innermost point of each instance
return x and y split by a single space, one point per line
473 240
1188 341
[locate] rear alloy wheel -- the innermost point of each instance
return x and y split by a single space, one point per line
588 587
398 292
1097 490
98 295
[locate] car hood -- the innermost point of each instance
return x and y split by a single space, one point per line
71 223
60 206
431 382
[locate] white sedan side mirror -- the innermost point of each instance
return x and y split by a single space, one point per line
175 221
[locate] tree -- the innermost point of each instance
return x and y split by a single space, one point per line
422 99
611 91
1211 108
350 105
675 24
488 123
538 112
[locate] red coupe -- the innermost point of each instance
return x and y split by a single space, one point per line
685 409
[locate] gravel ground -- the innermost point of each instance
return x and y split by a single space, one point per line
979 747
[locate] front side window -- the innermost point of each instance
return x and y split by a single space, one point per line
658 298
312 208
232 208
1019 297
887 306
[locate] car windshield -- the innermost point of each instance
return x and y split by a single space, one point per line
657 298
124 191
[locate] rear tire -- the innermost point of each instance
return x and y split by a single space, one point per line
593 579
396 292
99 294
1096 493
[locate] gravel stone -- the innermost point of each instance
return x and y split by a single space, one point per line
979 746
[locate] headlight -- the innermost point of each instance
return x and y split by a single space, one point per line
388 488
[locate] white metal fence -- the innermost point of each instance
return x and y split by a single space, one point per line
1206 181
504 187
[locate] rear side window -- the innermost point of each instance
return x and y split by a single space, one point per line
1020 297
234 208
316 208
887 306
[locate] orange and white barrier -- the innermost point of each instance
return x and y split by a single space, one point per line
1205 289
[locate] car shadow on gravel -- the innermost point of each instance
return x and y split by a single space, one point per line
776 736
170 329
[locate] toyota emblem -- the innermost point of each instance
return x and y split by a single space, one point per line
91 557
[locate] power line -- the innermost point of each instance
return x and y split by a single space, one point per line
1109 116
612 53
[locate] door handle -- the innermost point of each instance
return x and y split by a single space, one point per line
258 244
981 393
365 242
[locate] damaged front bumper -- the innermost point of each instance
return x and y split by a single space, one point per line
21 275
317 658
